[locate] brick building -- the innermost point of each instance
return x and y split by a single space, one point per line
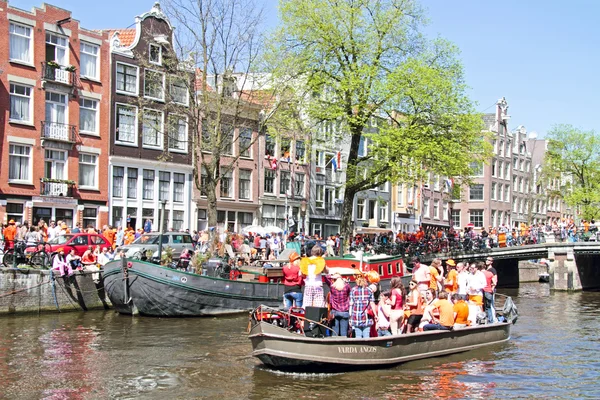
150 146
54 126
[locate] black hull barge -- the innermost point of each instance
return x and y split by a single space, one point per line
138 287
282 348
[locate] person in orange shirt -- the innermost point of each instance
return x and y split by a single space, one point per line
451 281
586 226
129 236
420 234
446 318
109 234
461 312
10 232
436 275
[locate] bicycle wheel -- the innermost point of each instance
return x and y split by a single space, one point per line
9 258
40 259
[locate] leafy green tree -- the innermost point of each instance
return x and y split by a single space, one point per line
573 153
364 59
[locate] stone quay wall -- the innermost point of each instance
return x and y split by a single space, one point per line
34 291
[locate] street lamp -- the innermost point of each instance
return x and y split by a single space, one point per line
303 215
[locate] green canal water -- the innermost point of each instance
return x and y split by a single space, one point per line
553 353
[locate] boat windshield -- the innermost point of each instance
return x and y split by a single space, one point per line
147 239
62 239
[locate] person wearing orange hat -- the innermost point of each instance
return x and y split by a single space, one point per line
60 263
451 281
10 232
292 280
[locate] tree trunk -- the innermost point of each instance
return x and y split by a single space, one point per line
211 199
347 223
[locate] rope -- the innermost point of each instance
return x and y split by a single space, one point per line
22 290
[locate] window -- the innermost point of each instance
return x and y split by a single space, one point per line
154 83
178 220
436 209
507 171
476 218
126 124
269 181
178 90
383 211
384 187
88 116
426 208
515 163
164 185
245 142
178 187
494 220
493 195
90 216
88 54
203 181
319 196
19 163
501 170
476 168
14 211
20 103
55 164
178 130
155 54
117 181
152 128
445 211
117 216
56 49
226 185
455 215
56 111
132 177
227 139
400 195
127 79
20 43
206 137
88 170
371 211
284 148
476 192
520 185
148 185
362 147
284 182
244 219
300 151
268 215
316 229
245 184
494 167
299 185
360 208
269 145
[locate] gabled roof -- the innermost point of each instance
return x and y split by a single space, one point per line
126 36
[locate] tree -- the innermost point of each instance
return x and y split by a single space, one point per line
573 153
221 40
366 58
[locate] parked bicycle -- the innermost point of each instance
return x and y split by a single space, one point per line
37 255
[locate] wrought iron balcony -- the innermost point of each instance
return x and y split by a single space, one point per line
59 132
52 72
56 188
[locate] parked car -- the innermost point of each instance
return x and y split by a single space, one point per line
178 241
77 241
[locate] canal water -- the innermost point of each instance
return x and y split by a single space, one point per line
554 353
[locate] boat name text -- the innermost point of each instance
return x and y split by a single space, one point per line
361 349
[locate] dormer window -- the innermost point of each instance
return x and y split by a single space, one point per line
155 54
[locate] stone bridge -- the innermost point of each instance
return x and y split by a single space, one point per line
572 266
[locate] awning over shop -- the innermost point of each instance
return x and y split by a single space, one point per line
367 230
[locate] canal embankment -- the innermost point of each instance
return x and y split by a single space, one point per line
35 291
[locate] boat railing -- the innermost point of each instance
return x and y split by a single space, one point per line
272 315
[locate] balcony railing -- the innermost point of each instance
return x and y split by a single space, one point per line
56 188
59 74
57 131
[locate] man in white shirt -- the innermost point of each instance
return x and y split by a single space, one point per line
462 279
421 274
475 283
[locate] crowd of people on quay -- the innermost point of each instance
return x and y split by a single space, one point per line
439 297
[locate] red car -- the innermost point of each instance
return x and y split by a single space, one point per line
77 241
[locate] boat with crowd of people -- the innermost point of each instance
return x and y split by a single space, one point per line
142 287
282 340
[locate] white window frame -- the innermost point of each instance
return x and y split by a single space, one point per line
30 166
382 205
185 141
66 38
31 91
400 195
55 161
359 205
482 192
137 80
97 55
150 45
240 184
136 125
444 211
160 133
426 208
31 31
436 209
146 70
320 196
187 94
95 164
97 116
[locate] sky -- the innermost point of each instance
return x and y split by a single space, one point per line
542 55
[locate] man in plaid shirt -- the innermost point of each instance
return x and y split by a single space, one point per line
360 300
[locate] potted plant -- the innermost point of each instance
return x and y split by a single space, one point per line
52 64
383 225
70 68
167 256
365 224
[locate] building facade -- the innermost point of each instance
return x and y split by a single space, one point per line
150 144
54 141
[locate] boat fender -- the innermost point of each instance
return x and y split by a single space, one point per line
129 264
